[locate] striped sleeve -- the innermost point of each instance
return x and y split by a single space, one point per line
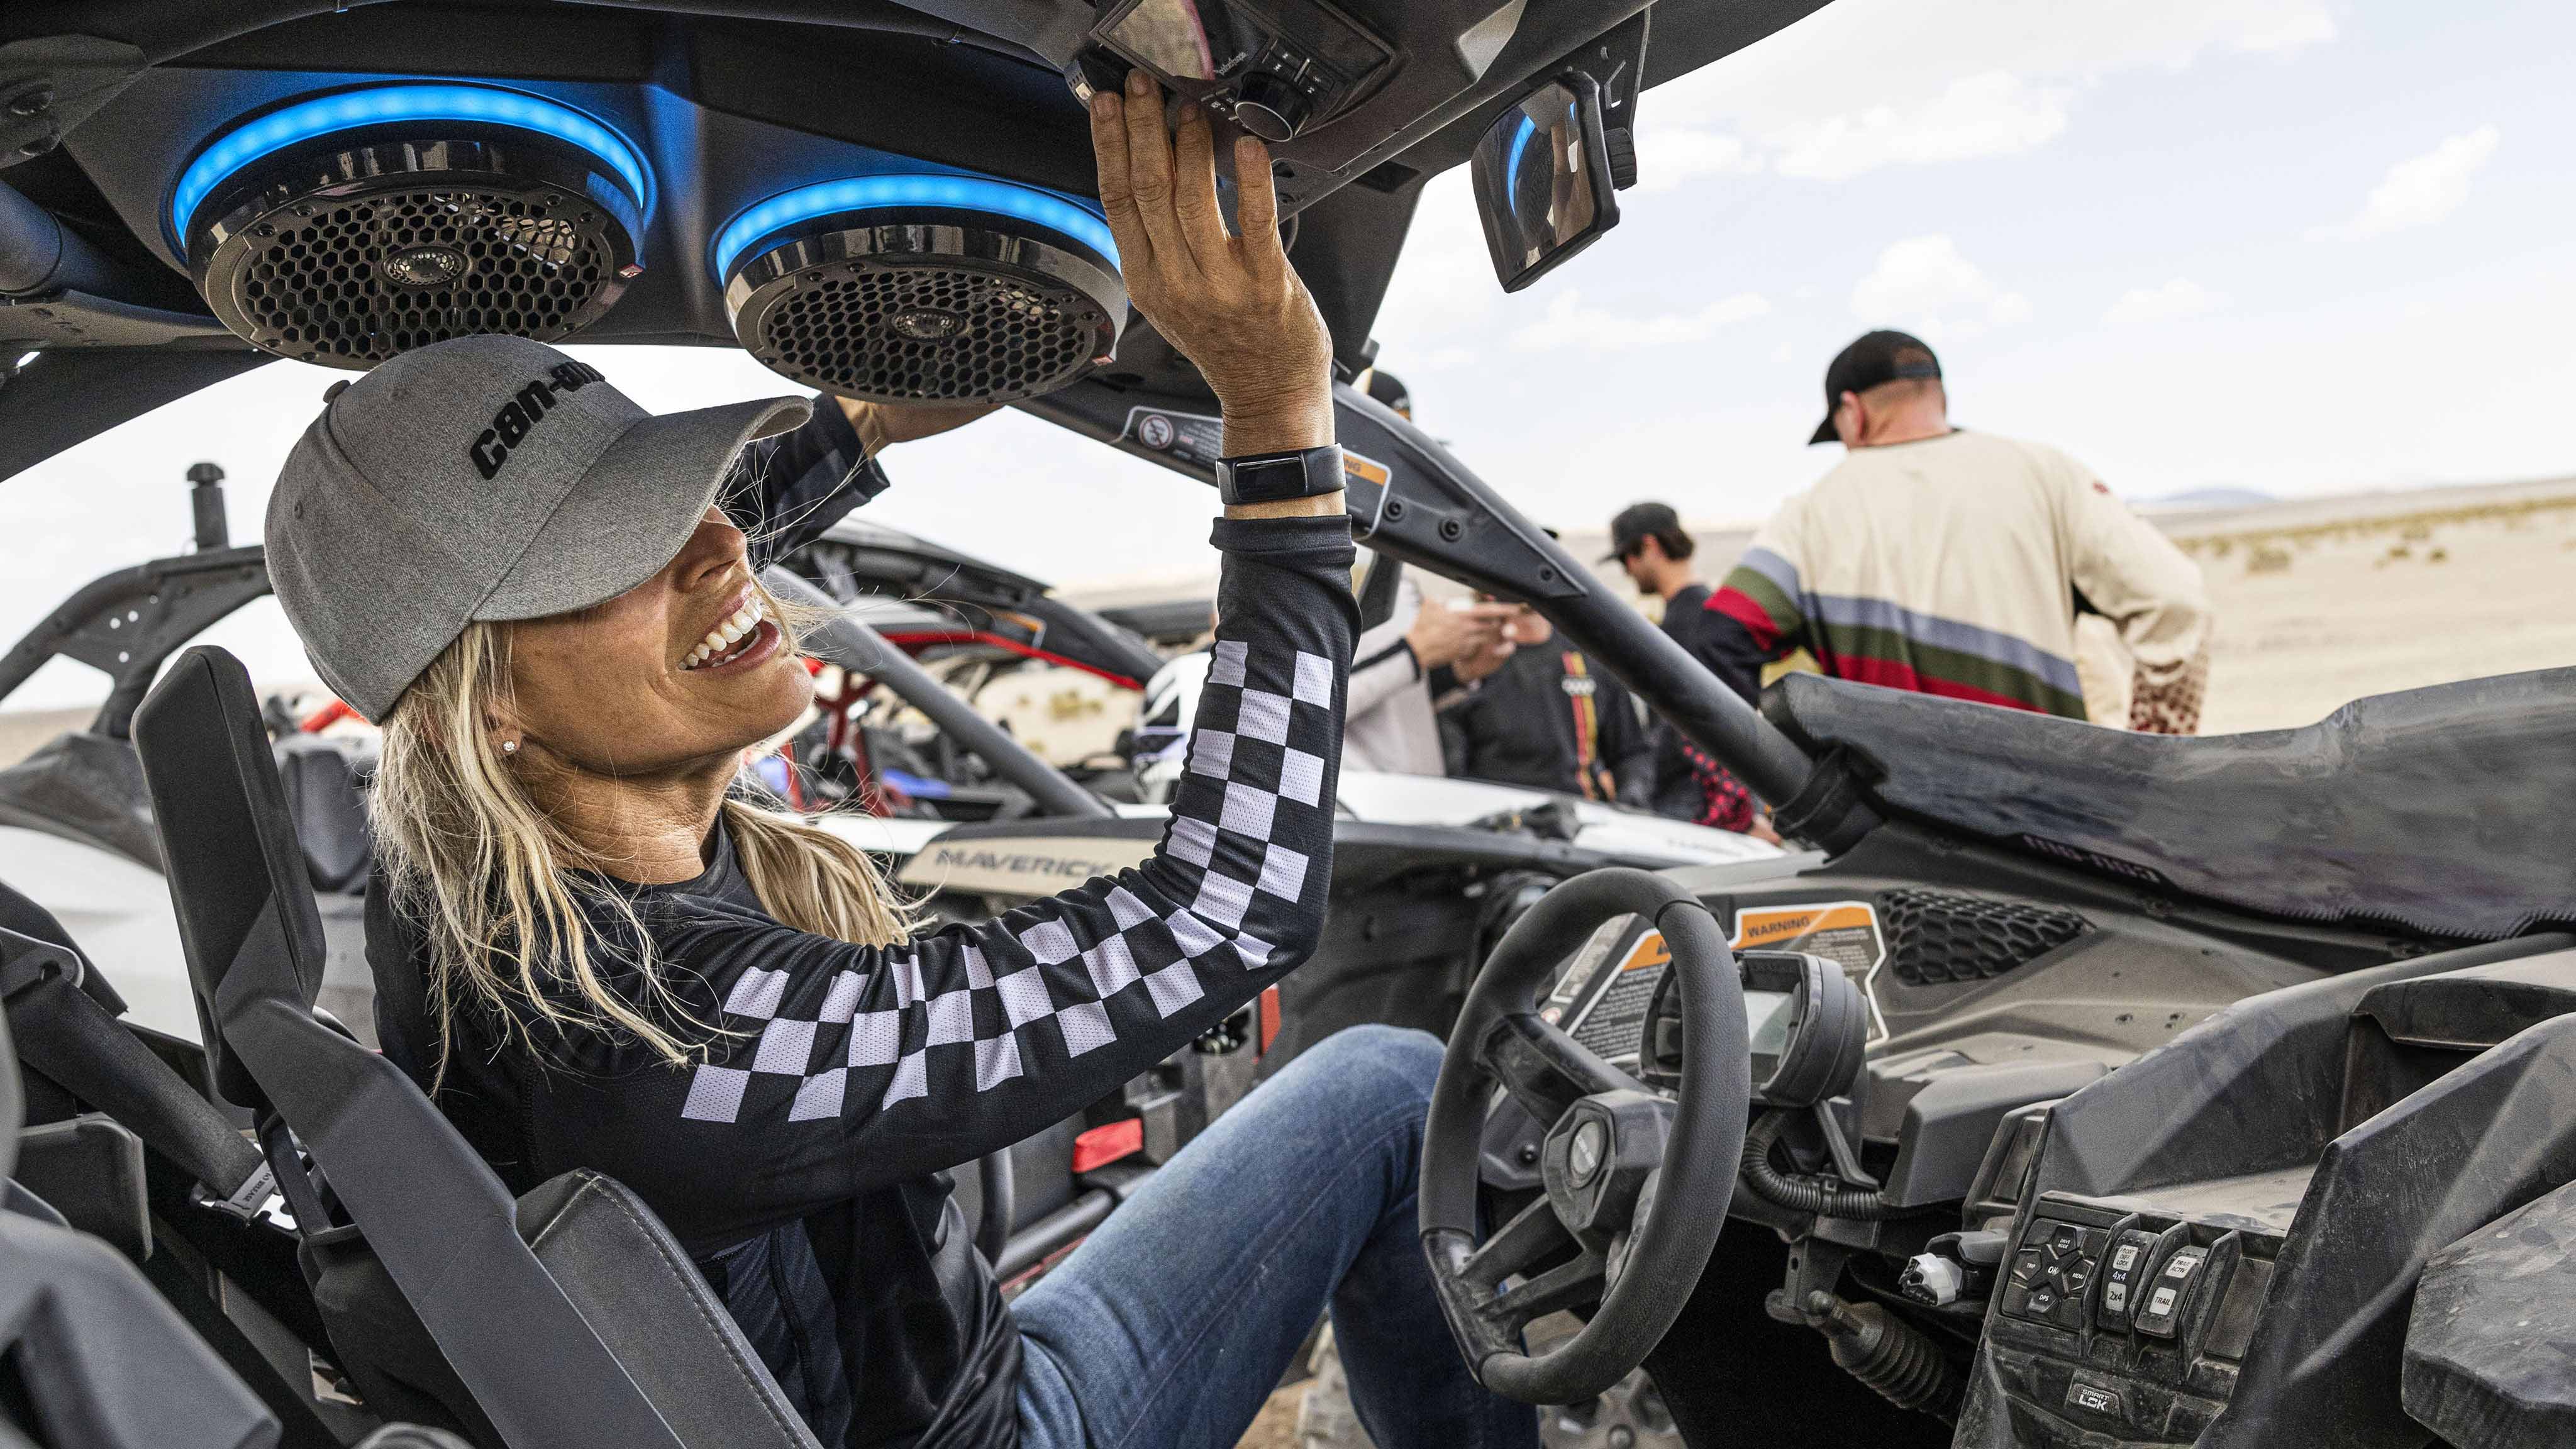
1762 593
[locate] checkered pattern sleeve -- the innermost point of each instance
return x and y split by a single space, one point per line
844 1068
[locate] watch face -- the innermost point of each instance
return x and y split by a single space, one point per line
1269 481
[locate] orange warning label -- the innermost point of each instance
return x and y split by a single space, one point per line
1650 950
1843 932
1779 925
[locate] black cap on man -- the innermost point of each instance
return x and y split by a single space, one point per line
1641 521
1873 360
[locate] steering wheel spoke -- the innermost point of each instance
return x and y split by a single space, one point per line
1545 1070
1533 1235
1567 1285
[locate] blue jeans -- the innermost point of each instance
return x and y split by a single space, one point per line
1171 1325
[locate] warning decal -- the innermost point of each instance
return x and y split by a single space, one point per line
1613 1022
1843 932
1188 437
1601 998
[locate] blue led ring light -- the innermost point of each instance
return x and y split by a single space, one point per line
1059 214
393 105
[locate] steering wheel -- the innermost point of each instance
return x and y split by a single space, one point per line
1615 1150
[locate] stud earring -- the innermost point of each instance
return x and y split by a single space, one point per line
509 747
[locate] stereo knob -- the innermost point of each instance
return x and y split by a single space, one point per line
1271 107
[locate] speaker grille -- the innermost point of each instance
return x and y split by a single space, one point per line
941 311
356 283
928 332
432 239
1935 937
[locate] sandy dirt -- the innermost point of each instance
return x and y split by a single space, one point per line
2314 612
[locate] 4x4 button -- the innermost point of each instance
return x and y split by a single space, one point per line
2120 1274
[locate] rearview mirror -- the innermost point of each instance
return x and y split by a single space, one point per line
1543 181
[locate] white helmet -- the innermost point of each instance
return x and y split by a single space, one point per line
1163 725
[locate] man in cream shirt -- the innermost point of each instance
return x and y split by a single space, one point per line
1954 562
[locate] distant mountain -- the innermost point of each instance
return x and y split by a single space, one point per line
2193 500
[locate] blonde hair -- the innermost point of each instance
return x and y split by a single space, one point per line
489 876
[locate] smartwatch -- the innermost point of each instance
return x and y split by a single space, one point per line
1278 477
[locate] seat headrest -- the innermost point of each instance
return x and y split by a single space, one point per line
236 870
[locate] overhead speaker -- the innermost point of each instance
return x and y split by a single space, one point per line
347 228
923 288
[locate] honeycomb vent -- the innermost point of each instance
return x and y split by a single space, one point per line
1936 937
355 282
944 312
929 332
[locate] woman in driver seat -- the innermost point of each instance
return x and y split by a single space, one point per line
593 955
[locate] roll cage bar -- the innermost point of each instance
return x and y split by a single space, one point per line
1411 499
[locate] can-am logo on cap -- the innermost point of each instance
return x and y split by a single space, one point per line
529 405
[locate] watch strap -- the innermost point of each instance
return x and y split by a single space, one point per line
1278 477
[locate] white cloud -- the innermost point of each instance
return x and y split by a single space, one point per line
1926 286
2294 27
1668 156
1992 114
2173 302
2422 190
1569 323
1869 83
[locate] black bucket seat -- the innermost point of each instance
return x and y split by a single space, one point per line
571 1317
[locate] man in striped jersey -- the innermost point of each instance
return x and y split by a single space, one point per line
1951 562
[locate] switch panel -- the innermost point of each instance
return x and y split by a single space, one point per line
2168 1295
2121 1274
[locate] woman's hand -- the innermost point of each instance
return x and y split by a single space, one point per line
1231 304
882 425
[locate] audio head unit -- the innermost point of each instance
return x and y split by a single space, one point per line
1281 68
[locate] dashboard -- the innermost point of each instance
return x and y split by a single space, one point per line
2147 1174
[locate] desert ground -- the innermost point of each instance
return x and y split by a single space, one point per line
2322 602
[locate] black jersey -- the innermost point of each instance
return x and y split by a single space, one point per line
1550 719
801 1161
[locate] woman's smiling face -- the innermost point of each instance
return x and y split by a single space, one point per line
682 671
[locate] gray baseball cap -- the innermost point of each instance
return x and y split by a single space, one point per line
482 478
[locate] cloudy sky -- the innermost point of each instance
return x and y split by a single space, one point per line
2293 245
